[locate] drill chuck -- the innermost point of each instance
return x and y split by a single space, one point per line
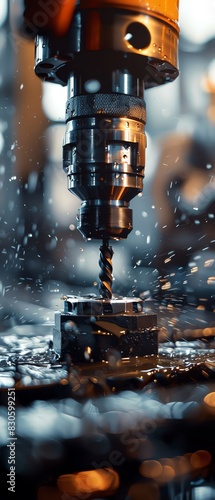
104 157
111 52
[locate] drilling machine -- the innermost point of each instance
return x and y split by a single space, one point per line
107 53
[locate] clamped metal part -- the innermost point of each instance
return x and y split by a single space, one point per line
91 329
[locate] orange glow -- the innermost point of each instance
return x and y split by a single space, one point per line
89 482
62 21
209 399
93 31
151 469
168 473
182 465
199 459
65 16
208 332
167 461
64 381
57 17
166 8
166 469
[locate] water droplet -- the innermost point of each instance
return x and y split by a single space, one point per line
13 145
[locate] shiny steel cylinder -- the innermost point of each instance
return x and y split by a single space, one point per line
104 150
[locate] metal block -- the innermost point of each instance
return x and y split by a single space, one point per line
90 329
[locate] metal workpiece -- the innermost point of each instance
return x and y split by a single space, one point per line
91 329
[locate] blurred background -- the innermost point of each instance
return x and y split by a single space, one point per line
170 254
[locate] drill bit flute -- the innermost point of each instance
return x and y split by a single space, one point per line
106 269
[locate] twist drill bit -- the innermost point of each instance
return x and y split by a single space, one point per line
105 275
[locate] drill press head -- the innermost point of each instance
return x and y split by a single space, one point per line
110 53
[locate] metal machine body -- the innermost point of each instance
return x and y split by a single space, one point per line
106 53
